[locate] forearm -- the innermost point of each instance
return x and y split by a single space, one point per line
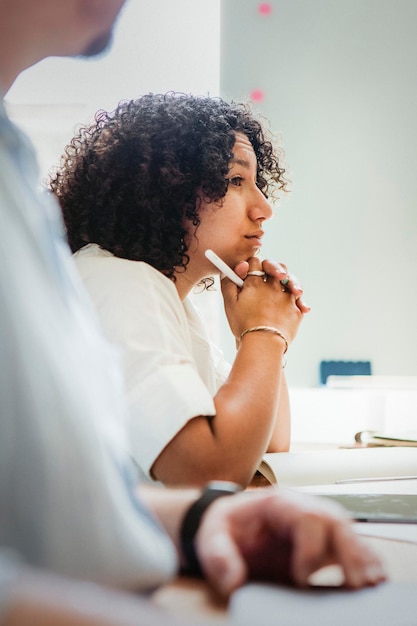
250 397
40 598
230 445
281 434
252 406
169 507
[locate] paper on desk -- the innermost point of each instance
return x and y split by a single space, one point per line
293 469
364 486
262 604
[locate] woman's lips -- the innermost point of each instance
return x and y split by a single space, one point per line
256 239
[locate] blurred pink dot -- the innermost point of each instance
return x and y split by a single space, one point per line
257 95
265 8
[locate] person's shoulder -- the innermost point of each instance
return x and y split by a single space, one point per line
94 261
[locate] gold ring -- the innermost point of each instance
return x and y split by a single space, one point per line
256 273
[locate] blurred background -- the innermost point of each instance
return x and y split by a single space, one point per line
337 81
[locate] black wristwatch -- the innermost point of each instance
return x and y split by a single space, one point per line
192 518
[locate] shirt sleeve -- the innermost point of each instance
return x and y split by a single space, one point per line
142 314
66 491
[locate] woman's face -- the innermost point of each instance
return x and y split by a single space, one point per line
233 227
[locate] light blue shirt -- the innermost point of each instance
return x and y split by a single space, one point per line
64 504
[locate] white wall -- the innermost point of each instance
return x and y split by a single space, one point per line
158 46
340 84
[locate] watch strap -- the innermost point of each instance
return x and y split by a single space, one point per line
192 518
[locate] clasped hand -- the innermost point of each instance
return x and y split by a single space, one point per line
270 296
276 270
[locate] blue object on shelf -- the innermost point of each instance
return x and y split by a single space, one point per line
343 368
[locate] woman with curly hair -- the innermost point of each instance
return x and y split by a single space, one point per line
145 191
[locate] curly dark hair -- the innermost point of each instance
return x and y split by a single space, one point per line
127 181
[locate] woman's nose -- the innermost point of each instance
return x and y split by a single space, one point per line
260 207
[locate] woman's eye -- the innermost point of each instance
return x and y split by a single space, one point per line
236 181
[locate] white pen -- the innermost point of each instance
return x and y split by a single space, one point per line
225 269
373 479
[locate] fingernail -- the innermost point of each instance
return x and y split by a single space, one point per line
375 573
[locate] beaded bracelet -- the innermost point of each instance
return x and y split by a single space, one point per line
266 329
